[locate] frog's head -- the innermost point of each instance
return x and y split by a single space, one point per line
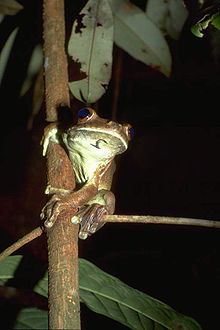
95 137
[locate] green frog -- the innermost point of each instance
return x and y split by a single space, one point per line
92 145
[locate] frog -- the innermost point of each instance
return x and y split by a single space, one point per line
91 145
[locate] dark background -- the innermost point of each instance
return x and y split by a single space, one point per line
171 168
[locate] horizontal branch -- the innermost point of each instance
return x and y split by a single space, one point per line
145 219
161 220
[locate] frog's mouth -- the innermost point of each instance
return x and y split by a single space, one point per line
98 143
115 135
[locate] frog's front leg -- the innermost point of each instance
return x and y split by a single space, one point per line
70 201
90 216
53 208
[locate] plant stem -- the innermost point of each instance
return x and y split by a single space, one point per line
162 220
22 241
55 63
146 219
64 303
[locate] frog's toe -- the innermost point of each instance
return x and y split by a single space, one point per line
51 211
90 220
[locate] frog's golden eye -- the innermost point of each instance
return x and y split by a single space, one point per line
84 114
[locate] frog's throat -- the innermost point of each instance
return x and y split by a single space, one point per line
85 168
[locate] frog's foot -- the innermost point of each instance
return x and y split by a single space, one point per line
51 210
50 134
90 218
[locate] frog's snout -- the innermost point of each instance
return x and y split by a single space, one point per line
114 125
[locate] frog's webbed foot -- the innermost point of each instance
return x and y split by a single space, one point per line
90 217
52 210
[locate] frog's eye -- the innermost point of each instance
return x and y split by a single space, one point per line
84 114
130 131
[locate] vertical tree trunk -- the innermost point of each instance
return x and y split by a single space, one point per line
64 306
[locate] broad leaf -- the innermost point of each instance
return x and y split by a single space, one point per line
139 36
169 16
90 46
28 318
8 267
108 296
31 318
9 7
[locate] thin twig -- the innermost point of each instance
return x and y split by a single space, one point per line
144 219
21 242
162 220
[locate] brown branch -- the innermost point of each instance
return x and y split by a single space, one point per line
55 64
162 220
21 242
64 303
146 219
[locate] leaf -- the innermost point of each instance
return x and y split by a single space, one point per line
90 46
216 21
31 318
109 296
139 37
28 318
10 7
42 286
201 25
169 16
8 266
38 97
35 64
157 11
204 17
4 54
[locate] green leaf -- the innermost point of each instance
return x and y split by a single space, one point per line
28 318
9 7
168 16
206 16
90 46
31 318
201 25
8 267
35 64
42 286
140 37
4 54
216 21
109 296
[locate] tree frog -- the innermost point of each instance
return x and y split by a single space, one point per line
91 145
